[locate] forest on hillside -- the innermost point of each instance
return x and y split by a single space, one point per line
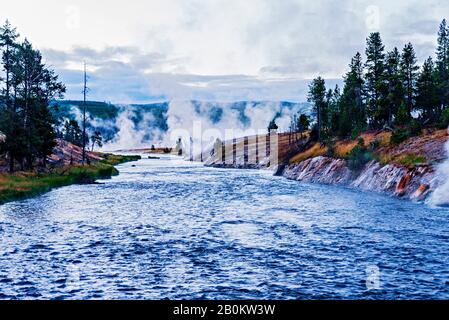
385 90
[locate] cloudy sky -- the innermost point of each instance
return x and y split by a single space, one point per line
147 50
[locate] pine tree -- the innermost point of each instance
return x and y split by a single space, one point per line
8 36
352 106
29 87
73 133
409 72
426 98
317 96
9 122
375 80
303 123
442 64
333 104
395 96
96 139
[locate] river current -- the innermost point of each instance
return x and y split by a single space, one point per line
169 229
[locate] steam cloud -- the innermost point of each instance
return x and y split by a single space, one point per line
204 122
440 196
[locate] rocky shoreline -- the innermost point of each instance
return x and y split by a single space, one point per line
415 181
411 183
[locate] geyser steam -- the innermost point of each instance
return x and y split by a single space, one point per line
440 197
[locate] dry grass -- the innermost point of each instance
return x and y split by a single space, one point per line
426 148
315 151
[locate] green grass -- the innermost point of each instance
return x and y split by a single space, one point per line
29 184
113 159
412 159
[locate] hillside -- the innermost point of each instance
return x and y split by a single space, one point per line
406 169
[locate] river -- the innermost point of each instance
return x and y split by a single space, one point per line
172 229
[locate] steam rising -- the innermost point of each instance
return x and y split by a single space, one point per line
133 134
138 127
440 197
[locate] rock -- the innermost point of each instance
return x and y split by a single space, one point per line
402 185
421 193
320 170
376 178
391 179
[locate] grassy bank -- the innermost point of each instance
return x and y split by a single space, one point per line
23 185
425 148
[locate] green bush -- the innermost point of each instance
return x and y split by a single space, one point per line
355 133
443 122
415 127
359 156
412 159
399 135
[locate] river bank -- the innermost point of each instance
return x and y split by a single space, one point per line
371 163
22 185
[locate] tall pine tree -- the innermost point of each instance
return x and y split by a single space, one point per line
375 80
395 94
409 72
24 115
317 96
427 95
442 65
352 106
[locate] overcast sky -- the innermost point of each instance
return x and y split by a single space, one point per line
146 50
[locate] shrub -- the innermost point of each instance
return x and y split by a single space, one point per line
412 159
355 133
399 135
359 156
415 127
443 122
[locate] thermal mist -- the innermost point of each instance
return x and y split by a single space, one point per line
440 196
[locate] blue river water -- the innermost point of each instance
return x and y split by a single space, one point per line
169 229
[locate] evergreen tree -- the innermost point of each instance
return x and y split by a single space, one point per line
96 139
8 36
427 98
375 80
317 96
442 65
24 115
351 106
272 126
303 123
73 133
9 122
333 115
409 72
396 93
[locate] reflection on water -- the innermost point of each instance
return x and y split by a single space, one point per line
171 229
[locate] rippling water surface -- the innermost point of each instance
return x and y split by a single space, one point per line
171 229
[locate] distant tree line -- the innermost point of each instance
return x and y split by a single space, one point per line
386 91
27 87
72 132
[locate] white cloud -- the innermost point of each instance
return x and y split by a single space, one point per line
210 49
